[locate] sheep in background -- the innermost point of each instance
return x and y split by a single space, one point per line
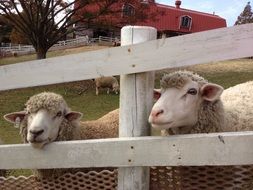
190 104
107 82
47 118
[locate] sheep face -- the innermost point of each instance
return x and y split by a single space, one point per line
115 88
43 118
107 82
43 127
179 106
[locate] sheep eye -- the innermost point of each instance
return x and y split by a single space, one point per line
59 114
29 114
192 91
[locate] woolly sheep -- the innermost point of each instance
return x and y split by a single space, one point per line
47 118
189 104
104 127
107 82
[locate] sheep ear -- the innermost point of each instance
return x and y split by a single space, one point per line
157 94
211 92
71 116
12 117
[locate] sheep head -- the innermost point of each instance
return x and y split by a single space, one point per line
180 99
42 119
115 88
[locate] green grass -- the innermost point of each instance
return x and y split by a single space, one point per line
230 78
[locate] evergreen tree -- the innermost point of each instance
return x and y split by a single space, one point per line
246 16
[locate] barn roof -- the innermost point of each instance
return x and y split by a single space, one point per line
170 19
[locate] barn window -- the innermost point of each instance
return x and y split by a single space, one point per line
185 22
128 10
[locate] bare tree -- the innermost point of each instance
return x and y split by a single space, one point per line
32 19
44 22
5 30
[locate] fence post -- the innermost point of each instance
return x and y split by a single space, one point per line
136 97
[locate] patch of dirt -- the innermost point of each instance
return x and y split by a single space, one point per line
238 65
83 49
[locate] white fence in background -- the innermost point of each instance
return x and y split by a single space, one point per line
9 49
136 152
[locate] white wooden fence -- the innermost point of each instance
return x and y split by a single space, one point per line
19 49
181 150
131 154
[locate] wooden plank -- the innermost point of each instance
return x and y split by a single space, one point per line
136 97
202 47
182 150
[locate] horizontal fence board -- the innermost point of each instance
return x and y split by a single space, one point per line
202 47
183 150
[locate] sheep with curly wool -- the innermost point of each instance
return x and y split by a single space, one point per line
107 82
188 103
47 118
105 127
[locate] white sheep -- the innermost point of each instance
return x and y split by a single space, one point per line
47 118
104 127
187 103
107 82
190 104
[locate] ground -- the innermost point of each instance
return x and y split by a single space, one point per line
81 95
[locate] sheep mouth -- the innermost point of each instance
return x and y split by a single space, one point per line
38 143
162 125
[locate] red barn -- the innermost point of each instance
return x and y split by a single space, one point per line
172 21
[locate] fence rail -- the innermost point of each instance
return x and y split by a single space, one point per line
197 48
183 150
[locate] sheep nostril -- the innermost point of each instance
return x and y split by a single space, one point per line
157 113
36 132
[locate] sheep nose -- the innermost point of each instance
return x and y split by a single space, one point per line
36 132
157 113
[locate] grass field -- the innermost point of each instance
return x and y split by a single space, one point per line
227 73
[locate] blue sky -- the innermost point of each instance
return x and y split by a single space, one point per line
228 9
